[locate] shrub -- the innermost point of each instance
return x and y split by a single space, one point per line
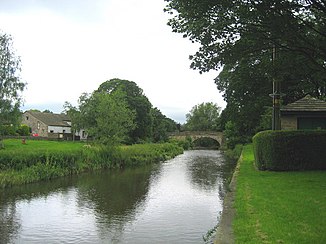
24 130
290 150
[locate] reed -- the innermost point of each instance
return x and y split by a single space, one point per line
44 160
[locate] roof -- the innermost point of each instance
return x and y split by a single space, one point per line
51 119
306 104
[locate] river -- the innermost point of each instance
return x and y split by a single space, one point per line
177 201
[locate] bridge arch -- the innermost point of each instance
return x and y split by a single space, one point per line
194 135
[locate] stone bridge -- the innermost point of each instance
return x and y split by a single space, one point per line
194 135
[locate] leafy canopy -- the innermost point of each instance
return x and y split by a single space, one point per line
203 117
10 83
136 101
105 117
237 36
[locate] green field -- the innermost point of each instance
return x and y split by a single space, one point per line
279 207
45 160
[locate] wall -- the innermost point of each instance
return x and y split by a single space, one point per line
289 122
38 127
58 129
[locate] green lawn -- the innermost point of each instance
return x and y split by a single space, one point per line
279 207
32 145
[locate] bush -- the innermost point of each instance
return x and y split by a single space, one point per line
290 150
24 130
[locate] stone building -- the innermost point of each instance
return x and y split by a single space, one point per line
308 113
50 125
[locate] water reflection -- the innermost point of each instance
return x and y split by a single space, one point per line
115 198
205 167
9 223
173 202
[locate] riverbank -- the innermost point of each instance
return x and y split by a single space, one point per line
277 207
44 160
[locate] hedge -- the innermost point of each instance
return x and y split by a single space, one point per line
290 150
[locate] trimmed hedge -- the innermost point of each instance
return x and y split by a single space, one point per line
290 150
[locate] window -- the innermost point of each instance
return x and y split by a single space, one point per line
51 131
26 117
38 125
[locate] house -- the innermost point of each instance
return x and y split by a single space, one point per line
308 113
50 125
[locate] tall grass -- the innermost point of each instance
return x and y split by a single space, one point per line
44 160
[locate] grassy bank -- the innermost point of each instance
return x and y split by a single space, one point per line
44 160
279 207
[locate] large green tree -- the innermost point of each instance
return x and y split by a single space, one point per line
105 117
11 85
203 117
162 126
237 36
136 101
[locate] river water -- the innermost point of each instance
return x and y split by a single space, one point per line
177 201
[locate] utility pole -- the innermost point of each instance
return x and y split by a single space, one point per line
276 121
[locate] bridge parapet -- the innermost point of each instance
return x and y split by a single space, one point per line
194 135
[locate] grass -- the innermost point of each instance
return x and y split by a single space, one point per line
45 160
279 207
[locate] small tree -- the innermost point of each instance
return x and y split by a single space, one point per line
10 84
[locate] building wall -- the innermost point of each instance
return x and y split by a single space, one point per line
37 126
81 134
59 129
289 122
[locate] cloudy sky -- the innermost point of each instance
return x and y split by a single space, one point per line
68 47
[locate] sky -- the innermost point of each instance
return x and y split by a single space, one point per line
68 47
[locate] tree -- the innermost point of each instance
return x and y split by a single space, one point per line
203 117
10 83
105 117
237 36
161 126
47 111
75 117
137 101
225 27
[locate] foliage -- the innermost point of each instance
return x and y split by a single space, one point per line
105 117
290 150
238 37
14 130
47 111
235 153
265 122
278 207
161 126
24 130
186 144
10 84
232 135
98 114
203 117
108 116
136 101
75 116
44 160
